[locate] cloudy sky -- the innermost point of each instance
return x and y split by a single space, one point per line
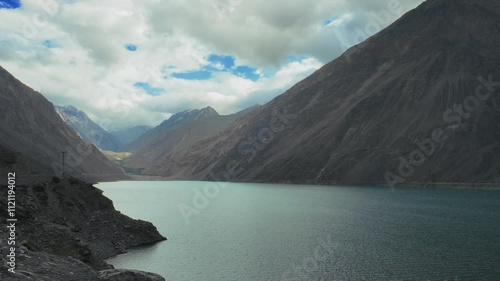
130 62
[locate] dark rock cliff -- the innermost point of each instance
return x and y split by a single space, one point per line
67 223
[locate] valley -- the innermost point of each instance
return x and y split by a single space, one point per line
250 140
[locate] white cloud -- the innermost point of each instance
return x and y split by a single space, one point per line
90 68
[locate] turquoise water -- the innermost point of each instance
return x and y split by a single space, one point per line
285 232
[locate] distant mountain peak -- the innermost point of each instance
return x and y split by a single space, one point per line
209 111
86 128
175 121
190 115
67 107
70 110
209 108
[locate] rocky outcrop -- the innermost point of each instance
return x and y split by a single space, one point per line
128 275
67 223
35 266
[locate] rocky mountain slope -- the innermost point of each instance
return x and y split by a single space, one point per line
86 128
205 123
68 228
31 130
175 121
115 140
416 103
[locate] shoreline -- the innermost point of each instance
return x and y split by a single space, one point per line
433 185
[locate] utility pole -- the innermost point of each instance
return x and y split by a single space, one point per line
63 161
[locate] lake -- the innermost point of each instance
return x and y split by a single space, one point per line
295 232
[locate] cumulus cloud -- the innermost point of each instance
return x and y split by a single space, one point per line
130 62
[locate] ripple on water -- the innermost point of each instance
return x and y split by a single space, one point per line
261 232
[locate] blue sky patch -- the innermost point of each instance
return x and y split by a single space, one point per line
226 61
193 75
247 72
50 44
131 47
150 90
10 4
219 63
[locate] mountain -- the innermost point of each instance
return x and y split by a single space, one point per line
124 137
115 140
32 136
87 129
416 103
195 125
175 121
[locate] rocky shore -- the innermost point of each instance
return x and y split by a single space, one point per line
66 229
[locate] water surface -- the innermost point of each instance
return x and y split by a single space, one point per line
285 232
